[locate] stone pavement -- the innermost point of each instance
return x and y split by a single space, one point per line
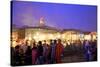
73 56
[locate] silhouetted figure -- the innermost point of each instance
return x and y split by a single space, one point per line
28 56
34 53
17 55
59 51
45 52
49 54
87 51
12 56
40 53
53 48
94 50
22 57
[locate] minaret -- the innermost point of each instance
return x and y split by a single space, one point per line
42 22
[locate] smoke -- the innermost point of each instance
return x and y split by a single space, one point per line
28 20
23 14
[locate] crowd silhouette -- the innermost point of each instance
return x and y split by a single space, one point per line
44 53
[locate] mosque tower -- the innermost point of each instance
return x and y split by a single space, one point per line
42 21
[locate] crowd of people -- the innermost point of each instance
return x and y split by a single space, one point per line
44 53
40 53
90 50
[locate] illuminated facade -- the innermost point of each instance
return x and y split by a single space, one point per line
71 34
42 32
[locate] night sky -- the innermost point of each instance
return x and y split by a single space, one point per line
63 16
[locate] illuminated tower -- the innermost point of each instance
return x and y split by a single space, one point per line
42 22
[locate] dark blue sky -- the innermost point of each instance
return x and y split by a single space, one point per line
64 16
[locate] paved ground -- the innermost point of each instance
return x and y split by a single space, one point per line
73 56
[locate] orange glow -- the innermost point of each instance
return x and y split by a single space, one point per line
14 36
